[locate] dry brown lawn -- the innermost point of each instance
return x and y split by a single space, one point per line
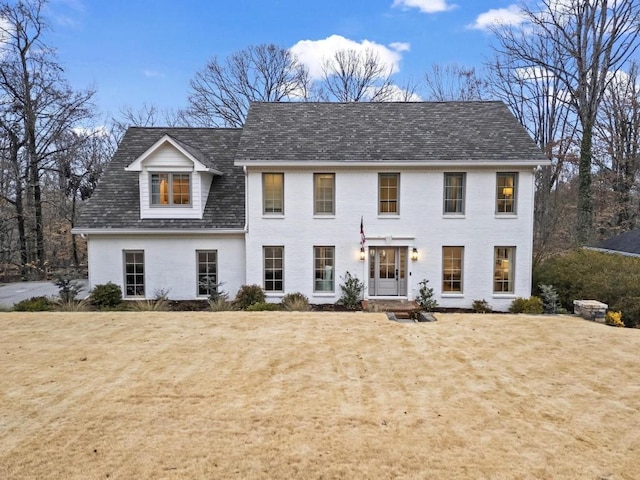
309 396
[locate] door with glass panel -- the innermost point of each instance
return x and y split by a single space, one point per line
387 271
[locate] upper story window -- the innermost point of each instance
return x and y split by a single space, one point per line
454 193
324 194
506 192
273 193
170 189
388 193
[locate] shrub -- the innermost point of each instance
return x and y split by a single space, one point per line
630 308
531 305
481 306
72 305
34 304
425 297
295 302
550 299
263 307
156 305
587 274
107 295
248 295
352 289
614 319
69 287
220 304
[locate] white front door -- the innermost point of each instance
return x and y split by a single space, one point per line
387 271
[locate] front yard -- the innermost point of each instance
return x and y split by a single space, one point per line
316 395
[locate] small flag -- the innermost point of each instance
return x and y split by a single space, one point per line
362 238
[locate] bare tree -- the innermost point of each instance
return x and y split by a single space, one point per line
618 131
352 76
454 82
221 92
534 95
38 106
590 40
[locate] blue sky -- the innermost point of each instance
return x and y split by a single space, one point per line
146 51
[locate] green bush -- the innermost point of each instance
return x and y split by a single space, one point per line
425 296
481 306
630 308
248 295
590 275
531 305
352 289
263 307
35 304
105 296
550 299
295 302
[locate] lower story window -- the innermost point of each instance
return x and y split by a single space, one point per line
134 273
207 272
504 265
273 269
452 261
323 259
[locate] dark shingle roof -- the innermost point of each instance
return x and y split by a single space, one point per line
627 242
385 132
116 201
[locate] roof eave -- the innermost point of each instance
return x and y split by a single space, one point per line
157 231
437 164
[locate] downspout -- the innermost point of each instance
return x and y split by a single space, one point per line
246 221
531 226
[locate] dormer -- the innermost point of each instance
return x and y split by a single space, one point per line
174 180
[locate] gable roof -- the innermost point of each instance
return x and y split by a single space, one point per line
200 161
425 133
627 243
115 203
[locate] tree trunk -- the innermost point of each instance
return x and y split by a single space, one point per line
585 200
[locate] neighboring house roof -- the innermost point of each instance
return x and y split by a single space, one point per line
116 202
429 133
627 243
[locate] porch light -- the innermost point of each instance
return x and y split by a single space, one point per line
362 255
414 254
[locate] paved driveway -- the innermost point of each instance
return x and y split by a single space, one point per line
11 293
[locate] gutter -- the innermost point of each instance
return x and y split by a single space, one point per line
615 252
369 164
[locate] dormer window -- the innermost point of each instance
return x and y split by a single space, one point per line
169 189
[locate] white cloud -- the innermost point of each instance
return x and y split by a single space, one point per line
425 6
313 53
512 15
153 74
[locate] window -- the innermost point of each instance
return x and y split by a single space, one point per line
170 189
454 193
506 184
273 193
503 269
134 273
323 268
388 190
452 261
274 269
324 194
207 272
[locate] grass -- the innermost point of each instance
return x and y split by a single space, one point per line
305 395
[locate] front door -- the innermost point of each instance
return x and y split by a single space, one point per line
387 271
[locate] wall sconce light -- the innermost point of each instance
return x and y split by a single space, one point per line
362 255
414 254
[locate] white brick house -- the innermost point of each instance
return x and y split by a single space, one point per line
444 192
